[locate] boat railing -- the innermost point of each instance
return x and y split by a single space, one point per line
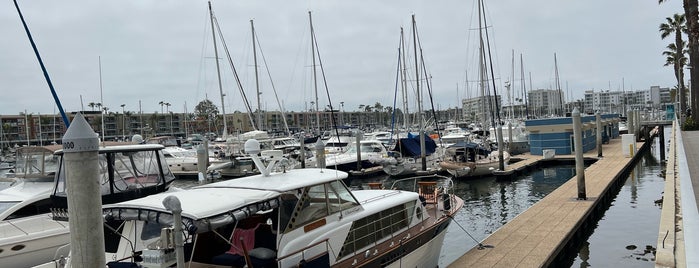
306 254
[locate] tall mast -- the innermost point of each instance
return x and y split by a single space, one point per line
558 86
257 81
315 80
524 86
419 100
404 82
218 73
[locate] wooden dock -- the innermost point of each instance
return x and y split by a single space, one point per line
536 237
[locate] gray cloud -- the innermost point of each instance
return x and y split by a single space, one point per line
161 50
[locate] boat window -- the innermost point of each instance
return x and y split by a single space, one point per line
151 230
339 197
6 205
376 227
39 207
286 210
313 206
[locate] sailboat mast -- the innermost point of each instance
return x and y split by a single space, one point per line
524 86
481 69
404 82
218 73
558 86
315 80
419 99
257 81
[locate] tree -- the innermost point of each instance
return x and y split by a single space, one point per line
691 11
674 58
205 110
676 25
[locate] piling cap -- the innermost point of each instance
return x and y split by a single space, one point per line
80 137
576 112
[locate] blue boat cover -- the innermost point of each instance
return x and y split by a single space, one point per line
410 146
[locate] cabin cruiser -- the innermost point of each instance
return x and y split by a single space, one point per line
370 151
182 162
31 235
514 135
295 218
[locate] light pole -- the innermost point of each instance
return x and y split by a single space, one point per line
123 122
167 105
342 115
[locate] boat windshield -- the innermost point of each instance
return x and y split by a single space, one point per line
366 148
5 205
126 171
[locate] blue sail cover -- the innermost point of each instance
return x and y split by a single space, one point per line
410 146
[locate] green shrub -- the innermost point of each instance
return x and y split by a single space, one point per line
690 124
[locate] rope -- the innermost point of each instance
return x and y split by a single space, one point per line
480 245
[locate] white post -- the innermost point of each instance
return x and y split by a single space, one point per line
173 204
579 161
598 118
320 154
81 150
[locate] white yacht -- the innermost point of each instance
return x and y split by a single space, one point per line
297 218
29 234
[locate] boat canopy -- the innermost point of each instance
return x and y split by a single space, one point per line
203 209
410 146
213 205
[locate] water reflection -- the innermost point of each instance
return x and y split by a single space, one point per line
489 204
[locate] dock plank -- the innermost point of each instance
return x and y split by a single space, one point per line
534 238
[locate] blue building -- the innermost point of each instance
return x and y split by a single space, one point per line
557 133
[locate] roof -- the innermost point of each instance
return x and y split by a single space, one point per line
212 205
125 147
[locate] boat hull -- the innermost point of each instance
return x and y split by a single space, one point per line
33 247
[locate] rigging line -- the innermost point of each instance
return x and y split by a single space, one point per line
43 68
235 75
269 74
395 93
492 75
333 124
427 83
201 59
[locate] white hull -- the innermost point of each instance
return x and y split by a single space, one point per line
425 256
46 240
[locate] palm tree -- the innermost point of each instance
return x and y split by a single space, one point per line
691 11
91 105
676 25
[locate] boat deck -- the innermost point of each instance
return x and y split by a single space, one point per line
535 237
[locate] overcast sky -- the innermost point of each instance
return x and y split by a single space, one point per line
153 51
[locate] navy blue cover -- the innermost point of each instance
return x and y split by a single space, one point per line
411 146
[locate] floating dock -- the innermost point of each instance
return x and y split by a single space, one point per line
536 237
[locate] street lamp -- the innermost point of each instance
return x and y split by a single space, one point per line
167 105
123 122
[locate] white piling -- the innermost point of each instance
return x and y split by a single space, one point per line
579 161
359 150
81 151
202 158
598 118
320 154
173 204
302 150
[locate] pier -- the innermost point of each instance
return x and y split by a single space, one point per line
542 235
536 237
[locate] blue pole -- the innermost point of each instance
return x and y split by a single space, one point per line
43 69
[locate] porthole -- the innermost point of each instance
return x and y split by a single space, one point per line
17 247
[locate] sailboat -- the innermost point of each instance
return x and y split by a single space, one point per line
470 159
414 154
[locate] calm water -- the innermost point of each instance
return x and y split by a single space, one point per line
632 219
627 234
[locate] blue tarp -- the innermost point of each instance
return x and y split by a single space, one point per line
411 146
